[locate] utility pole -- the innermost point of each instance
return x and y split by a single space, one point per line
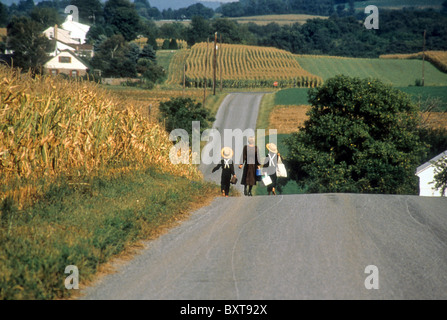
184 80
423 59
221 63
215 63
206 69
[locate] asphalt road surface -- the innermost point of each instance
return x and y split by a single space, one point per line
237 112
325 246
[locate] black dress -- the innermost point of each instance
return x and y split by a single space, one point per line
251 163
227 166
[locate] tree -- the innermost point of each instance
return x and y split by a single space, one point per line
148 52
441 176
89 10
361 136
173 45
30 46
179 113
199 30
123 17
228 29
115 57
46 16
3 15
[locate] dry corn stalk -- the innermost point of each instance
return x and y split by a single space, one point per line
50 126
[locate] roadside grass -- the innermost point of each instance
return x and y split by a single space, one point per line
86 223
266 107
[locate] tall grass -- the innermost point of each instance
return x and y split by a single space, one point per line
83 176
51 127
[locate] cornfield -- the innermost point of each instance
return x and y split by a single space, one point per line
51 127
438 58
240 66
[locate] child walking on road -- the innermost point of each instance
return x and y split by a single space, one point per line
227 166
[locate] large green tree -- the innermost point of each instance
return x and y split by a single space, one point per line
29 45
115 57
123 17
361 136
199 30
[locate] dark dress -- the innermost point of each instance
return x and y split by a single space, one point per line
227 166
251 163
271 162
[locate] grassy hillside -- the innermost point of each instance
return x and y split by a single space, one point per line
281 19
438 58
399 73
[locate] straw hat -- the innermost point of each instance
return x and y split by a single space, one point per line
227 153
272 147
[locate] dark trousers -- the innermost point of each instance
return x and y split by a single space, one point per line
225 188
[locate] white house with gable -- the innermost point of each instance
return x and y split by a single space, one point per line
426 174
66 62
78 31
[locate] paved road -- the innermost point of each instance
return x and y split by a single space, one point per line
238 111
294 247
291 247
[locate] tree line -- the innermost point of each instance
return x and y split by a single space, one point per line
120 21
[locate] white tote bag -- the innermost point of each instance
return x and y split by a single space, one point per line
281 171
266 180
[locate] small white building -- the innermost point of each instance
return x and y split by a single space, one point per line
426 173
66 62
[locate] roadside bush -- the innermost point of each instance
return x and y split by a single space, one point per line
179 113
361 137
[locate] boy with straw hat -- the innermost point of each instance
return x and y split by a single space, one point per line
227 166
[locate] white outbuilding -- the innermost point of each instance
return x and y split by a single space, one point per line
426 174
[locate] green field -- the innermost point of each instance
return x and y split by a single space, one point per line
164 58
399 4
294 96
298 96
424 93
399 73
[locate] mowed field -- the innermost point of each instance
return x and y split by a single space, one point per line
280 19
398 72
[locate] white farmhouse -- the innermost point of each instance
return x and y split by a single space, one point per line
426 173
64 41
78 31
66 62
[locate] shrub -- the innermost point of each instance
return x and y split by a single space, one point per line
361 137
